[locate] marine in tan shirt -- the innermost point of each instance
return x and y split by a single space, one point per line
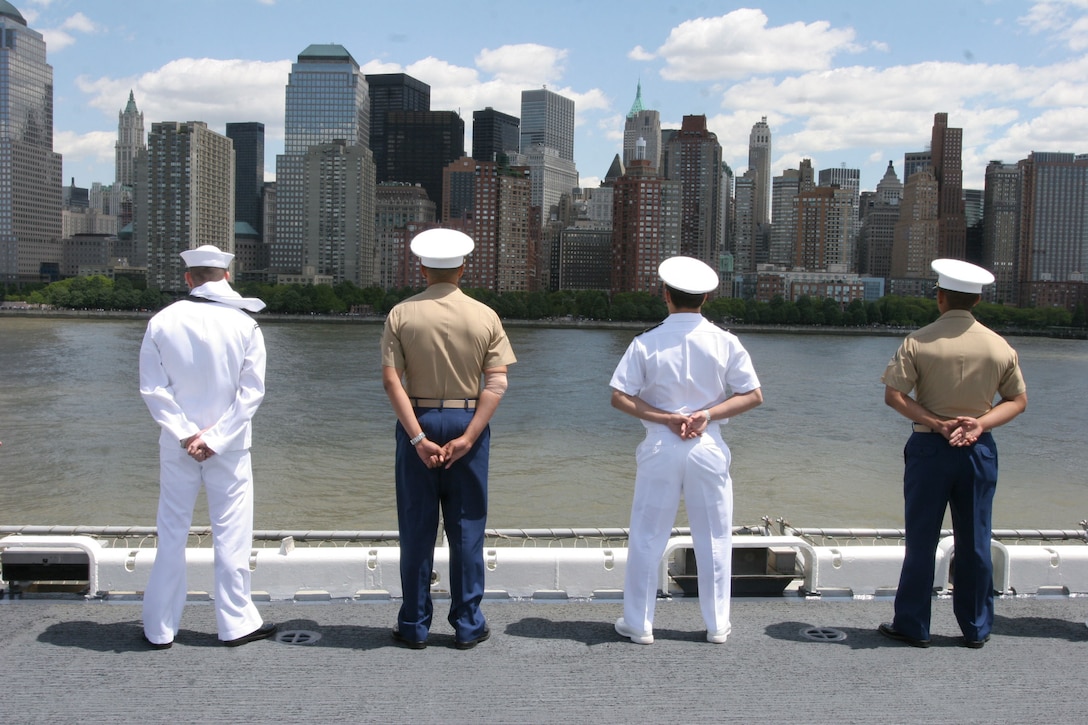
436 347
956 367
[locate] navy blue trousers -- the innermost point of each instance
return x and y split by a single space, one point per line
460 494
939 476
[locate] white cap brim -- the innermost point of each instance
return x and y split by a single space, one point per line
442 248
956 275
688 274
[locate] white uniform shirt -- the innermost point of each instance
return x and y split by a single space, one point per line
685 364
202 365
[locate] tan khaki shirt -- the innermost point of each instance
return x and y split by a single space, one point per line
443 340
955 365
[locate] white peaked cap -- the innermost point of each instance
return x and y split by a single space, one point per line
956 275
207 256
688 274
442 248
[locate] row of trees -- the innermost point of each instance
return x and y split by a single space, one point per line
346 298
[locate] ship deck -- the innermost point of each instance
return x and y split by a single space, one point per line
789 658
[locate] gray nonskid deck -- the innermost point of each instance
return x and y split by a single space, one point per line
545 662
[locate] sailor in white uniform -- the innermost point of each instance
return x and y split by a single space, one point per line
683 379
202 366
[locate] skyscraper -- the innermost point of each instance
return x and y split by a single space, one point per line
184 187
420 144
822 244
399 210
1001 228
695 160
784 190
917 231
947 150
645 227
915 161
327 100
744 226
759 159
889 189
130 141
392 92
642 123
248 141
30 172
547 119
879 215
495 135
849 180
547 149
551 178
492 204
1054 218
338 226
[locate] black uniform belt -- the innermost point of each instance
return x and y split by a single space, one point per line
919 428
458 403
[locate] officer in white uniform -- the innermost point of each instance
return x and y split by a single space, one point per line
202 366
683 379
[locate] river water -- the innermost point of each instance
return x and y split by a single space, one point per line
79 447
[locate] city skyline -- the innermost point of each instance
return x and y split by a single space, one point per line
842 84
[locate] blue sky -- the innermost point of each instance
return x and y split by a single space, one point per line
840 82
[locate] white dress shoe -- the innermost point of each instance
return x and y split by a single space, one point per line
633 634
718 637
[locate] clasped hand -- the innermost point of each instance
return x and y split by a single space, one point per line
436 456
196 447
688 426
962 431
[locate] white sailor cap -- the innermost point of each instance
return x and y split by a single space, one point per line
688 274
207 256
442 248
956 275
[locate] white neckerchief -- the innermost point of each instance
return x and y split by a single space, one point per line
221 291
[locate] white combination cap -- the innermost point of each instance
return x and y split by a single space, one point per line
207 256
442 248
688 274
956 275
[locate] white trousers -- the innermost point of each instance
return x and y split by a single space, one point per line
228 481
669 466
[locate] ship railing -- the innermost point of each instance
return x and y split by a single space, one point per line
199 536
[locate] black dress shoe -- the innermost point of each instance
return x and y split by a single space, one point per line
890 632
409 643
975 643
469 644
265 631
158 645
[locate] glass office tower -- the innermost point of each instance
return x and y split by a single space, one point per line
327 100
30 172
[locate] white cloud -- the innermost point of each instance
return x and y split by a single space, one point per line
1006 111
523 64
1065 19
1055 130
638 53
61 37
198 89
740 44
96 147
57 39
81 23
